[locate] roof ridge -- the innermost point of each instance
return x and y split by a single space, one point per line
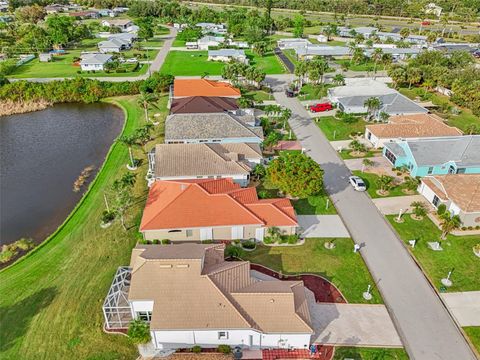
278 209
241 123
235 264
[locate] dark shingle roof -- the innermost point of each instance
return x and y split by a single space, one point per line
203 104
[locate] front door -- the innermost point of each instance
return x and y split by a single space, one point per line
206 234
259 234
237 232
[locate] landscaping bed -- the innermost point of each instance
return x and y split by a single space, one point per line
373 189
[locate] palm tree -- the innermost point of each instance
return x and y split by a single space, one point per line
404 32
366 163
431 38
411 183
419 209
124 198
143 135
372 104
144 101
414 76
130 141
449 223
357 146
300 71
384 183
376 57
383 116
338 79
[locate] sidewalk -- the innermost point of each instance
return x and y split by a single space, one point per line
465 307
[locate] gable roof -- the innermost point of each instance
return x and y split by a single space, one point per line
203 87
202 104
173 276
113 42
462 189
207 203
227 52
93 59
209 126
173 160
413 126
391 103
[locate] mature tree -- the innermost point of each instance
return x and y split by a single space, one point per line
414 75
30 14
449 223
144 135
330 31
300 72
398 75
298 25
377 57
372 104
260 48
61 29
296 174
316 69
157 83
146 28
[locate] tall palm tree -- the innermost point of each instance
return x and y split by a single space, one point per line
449 223
144 101
384 182
372 104
300 71
130 141
376 57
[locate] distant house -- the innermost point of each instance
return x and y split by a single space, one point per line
292 43
432 8
213 28
311 51
55 8
94 61
203 87
366 31
45 57
127 37
114 45
210 41
204 161
122 24
212 128
398 53
414 126
210 301
227 55
459 193
322 38
89 14
106 12
203 104
436 156
351 98
198 210
238 44
191 45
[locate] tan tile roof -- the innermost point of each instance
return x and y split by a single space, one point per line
413 126
462 189
204 159
221 295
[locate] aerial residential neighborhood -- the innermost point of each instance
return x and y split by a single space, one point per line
263 180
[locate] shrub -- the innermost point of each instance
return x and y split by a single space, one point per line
249 244
207 242
165 241
8 253
441 209
464 228
143 241
268 240
224 349
25 244
197 349
108 216
139 332
233 251
292 239
470 227
477 227
156 242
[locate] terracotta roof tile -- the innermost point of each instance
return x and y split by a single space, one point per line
203 87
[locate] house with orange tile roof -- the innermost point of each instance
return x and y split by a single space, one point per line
460 193
203 87
409 126
212 209
191 296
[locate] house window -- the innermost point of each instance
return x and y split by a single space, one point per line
174 231
389 155
222 335
369 135
430 170
189 233
451 170
461 170
144 315
435 200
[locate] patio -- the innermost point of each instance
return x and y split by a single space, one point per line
116 308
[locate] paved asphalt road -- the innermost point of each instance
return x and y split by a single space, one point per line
426 327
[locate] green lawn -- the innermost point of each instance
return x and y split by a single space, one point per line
51 300
314 205
335 129
341 266
462 120
367 66
191 63
371 182
457 253
291 55
473 333
313 92
356 353
258 95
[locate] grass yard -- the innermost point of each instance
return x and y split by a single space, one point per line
313 92
192 63
358 353
367 66
291 55
258 95
371 182
457 253
473 333
461 121
314 205
51 300
335 129
341 265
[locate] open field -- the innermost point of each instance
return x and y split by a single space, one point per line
191 63
335 129
51 300
457 253
341 266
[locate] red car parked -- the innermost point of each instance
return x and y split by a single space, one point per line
426 23
321 107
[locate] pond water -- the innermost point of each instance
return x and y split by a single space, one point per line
42 154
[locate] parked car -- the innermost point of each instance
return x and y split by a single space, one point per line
426 23
357 183
321 107
290 93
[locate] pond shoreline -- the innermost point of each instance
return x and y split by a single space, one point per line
9 107
85 188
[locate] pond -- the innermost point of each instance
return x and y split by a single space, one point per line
42 154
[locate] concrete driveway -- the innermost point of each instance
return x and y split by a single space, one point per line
322 226
352 325
392 205
465 307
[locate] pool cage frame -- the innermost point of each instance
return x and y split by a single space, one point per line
116 308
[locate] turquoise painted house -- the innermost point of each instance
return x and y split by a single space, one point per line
436 156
